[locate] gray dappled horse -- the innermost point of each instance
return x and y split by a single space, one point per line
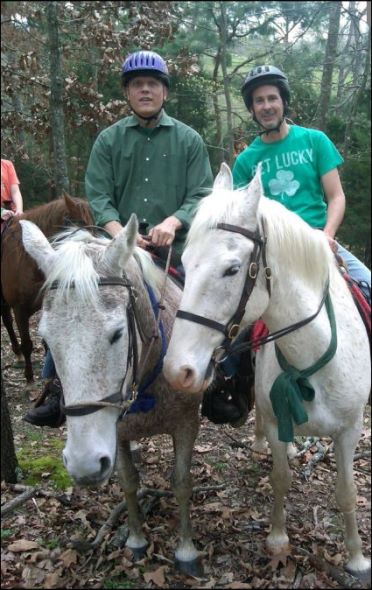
98 321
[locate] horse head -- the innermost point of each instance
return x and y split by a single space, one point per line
222 244
84 320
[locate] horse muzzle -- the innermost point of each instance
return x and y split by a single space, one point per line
186 378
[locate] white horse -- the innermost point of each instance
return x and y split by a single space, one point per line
98 321
225 249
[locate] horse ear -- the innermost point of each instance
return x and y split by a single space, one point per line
37 246
122 245
253 193
224 179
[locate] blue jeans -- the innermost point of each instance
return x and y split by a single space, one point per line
49 368
357 271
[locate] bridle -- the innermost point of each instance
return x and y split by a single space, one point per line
115 400
231 329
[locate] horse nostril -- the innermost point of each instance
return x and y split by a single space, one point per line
105 464
188 375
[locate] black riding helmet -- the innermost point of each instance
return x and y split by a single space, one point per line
261 75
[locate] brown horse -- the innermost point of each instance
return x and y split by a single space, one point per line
21 279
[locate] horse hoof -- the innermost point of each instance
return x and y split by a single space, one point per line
191 568
138 552
363 575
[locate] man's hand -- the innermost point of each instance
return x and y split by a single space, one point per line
164 233
332 243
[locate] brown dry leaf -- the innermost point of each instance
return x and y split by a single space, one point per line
23 545
203 448
53 580
69 556
238 585
156 576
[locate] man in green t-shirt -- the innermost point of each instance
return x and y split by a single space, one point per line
299 165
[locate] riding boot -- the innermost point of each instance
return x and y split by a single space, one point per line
47 409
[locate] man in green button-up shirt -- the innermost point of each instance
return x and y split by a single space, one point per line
149 163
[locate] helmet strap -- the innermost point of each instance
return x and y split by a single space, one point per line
267 131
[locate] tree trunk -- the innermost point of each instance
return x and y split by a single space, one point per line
356 98
8 456
217 112
329 62
226 85
56 101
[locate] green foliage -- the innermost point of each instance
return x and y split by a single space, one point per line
36 461
119 582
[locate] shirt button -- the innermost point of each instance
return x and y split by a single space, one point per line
145 200
146 179
147 159
148 139
144 220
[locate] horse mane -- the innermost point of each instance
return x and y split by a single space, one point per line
78 256
50 217
303 249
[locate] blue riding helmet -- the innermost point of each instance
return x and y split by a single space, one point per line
142 63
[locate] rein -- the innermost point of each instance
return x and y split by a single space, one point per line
230 331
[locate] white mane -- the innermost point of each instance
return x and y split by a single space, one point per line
80 262
304 249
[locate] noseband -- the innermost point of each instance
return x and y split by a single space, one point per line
231 329
115 399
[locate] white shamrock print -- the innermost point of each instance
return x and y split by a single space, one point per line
284 184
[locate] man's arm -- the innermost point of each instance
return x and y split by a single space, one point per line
335 196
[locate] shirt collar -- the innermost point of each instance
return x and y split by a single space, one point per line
164 121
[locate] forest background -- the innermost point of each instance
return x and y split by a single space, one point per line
61 66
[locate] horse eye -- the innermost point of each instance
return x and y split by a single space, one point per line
116 336
233 270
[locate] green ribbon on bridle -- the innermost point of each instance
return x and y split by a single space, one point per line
292 386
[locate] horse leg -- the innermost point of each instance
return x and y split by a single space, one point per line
187 557
280 478
129 479
345 445
22 319
260 444
7 318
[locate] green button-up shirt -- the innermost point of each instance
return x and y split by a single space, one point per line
153 173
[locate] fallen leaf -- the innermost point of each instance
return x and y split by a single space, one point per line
23 545
156 576
68 557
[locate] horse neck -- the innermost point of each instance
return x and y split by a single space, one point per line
297 294
49 218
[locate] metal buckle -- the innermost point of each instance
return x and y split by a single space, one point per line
253 269
233 331
268 273
220 354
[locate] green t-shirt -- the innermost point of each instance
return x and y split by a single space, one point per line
291 170
153 173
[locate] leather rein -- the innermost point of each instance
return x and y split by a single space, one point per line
231 329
